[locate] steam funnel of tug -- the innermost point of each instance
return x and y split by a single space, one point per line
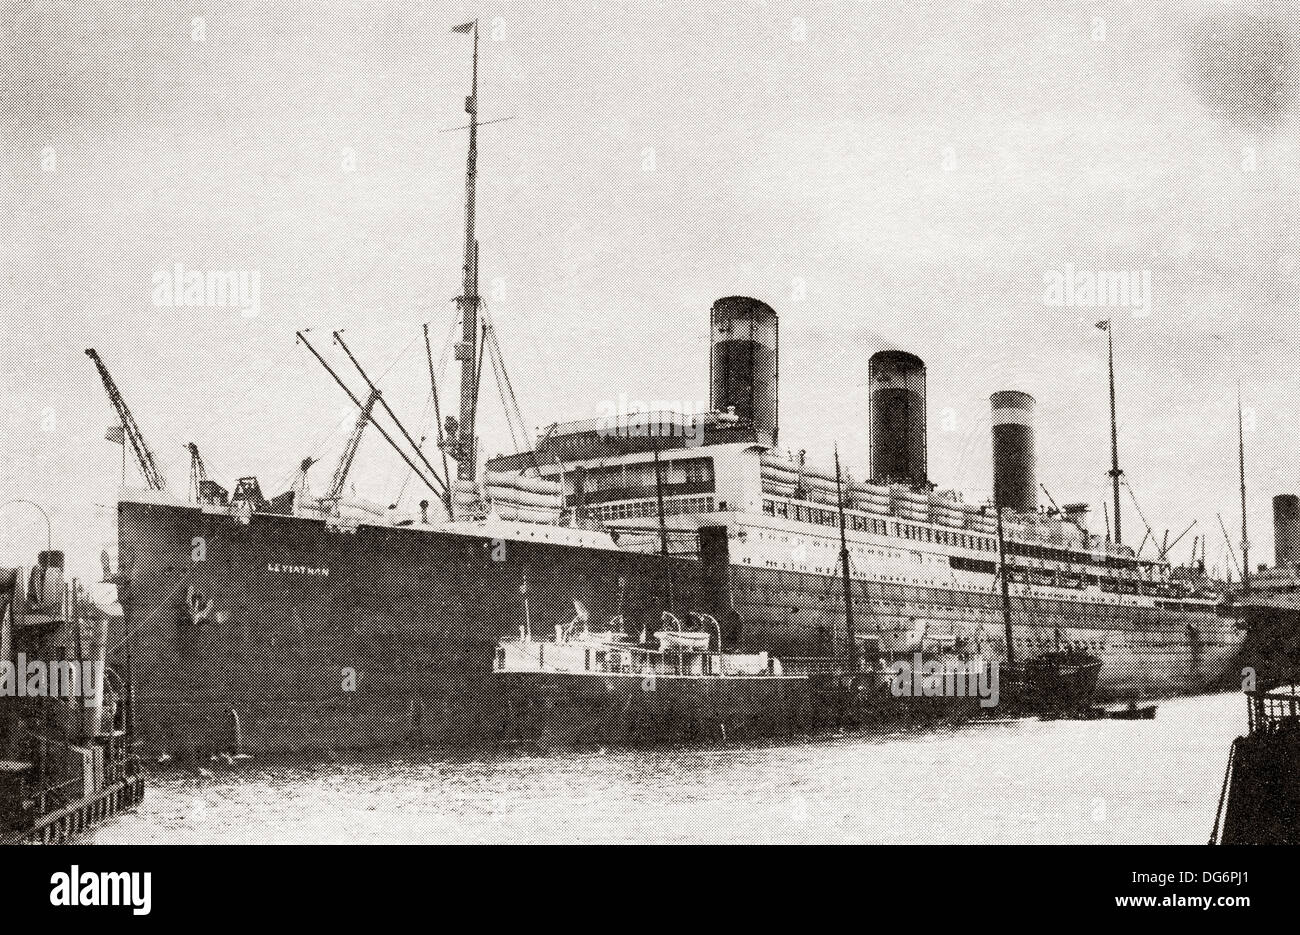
1286 530
897 381
743 363
1014 475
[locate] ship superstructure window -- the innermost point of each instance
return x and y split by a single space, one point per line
1113 573
642 509
606 483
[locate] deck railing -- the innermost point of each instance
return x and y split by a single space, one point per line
1274 710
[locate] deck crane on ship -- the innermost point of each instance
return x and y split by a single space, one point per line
350 450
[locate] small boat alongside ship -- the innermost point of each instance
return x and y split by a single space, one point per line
1053 684
587 687
1058 682
1133 711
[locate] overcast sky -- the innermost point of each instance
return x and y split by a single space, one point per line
883 173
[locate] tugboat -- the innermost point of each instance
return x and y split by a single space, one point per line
68 758
1060 682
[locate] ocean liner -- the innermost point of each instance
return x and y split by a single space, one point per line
304 621
1268 601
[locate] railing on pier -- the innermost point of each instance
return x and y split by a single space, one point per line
1274 710
65 824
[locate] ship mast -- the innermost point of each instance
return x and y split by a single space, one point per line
844 570
1115 472
463 443
1241 467
671 582
1002 577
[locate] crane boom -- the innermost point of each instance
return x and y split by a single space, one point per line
350 450
198 472
201 488
143 456
1179 538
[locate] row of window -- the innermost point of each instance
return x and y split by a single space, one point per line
950 537
1057 579
881 527
632 481
643 509
1026 550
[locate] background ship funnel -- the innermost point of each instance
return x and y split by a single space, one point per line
897 381
1014 475
743 363
1286 530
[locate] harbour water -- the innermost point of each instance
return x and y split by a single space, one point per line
1046 782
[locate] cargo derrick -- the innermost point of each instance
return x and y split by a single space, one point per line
433 482
376 397
350 450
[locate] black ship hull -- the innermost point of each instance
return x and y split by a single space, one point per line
1146 651
284 634
278 633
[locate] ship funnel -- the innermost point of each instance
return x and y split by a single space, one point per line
897 381
1014 482
1286 529
743 363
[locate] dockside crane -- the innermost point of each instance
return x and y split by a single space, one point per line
143 455
198 472
350 449
202 489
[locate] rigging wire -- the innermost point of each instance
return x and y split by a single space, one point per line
424 434
515 422
1142 516
438 373
348 418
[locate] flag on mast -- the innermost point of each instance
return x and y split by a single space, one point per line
115 434
1104 324
464 27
